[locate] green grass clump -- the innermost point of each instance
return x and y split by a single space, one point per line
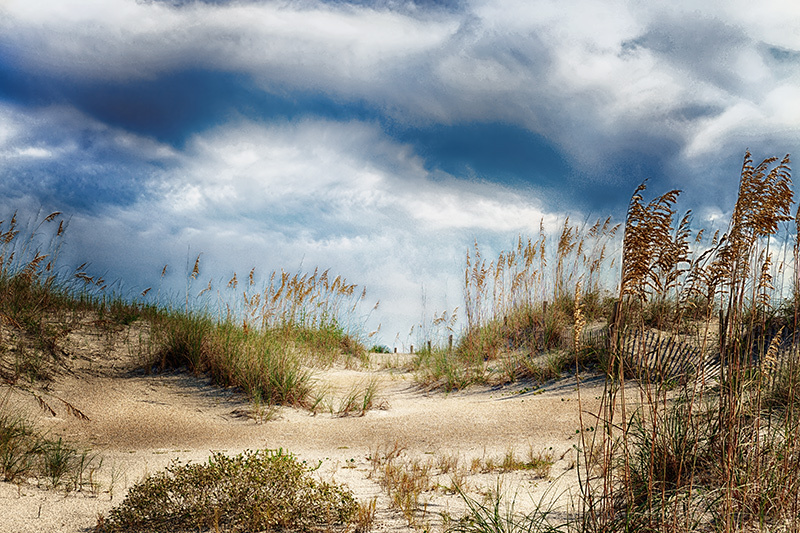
255 491
684 470
289 328
359 399
493 515
262 364
27 453
448 370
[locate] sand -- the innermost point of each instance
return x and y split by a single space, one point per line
139 423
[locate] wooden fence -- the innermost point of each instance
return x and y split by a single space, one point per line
657 356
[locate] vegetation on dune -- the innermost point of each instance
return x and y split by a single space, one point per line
268 341
266 344
28 453
407 480
267 490
264 341
708 457
698 427
701 336
520 310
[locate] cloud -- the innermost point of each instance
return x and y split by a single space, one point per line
64 132
348 135
278 43
599 80
60 155
300 195
332 176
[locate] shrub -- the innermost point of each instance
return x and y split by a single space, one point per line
254 491
379 348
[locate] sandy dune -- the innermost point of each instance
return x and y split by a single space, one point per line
138 423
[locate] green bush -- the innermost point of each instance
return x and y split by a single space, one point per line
254 491
379 348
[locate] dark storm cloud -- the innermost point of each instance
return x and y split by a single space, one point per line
65 158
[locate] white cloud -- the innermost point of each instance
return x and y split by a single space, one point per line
782 106
771 21
21 140
307 194
34 152
718 130
342 176
54 131
294 43
776 115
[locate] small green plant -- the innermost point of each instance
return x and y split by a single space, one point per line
447 370
57 460
404 481
359 400
262 412
25 453
539 463
365 516
405 484
255 491
20 445
493 516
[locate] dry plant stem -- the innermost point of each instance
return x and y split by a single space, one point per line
585 484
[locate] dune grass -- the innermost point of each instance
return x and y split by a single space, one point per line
410 482
496 513
267 344
520 310
264 340
701 451
704 458
27 452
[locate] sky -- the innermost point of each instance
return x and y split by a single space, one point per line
377 139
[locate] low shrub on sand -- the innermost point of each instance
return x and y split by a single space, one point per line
254 491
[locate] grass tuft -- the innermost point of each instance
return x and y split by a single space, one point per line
27 453
494 516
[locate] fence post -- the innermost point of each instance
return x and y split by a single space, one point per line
450 343
612 339
429 346
412 349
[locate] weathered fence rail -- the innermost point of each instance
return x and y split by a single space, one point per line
655 355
